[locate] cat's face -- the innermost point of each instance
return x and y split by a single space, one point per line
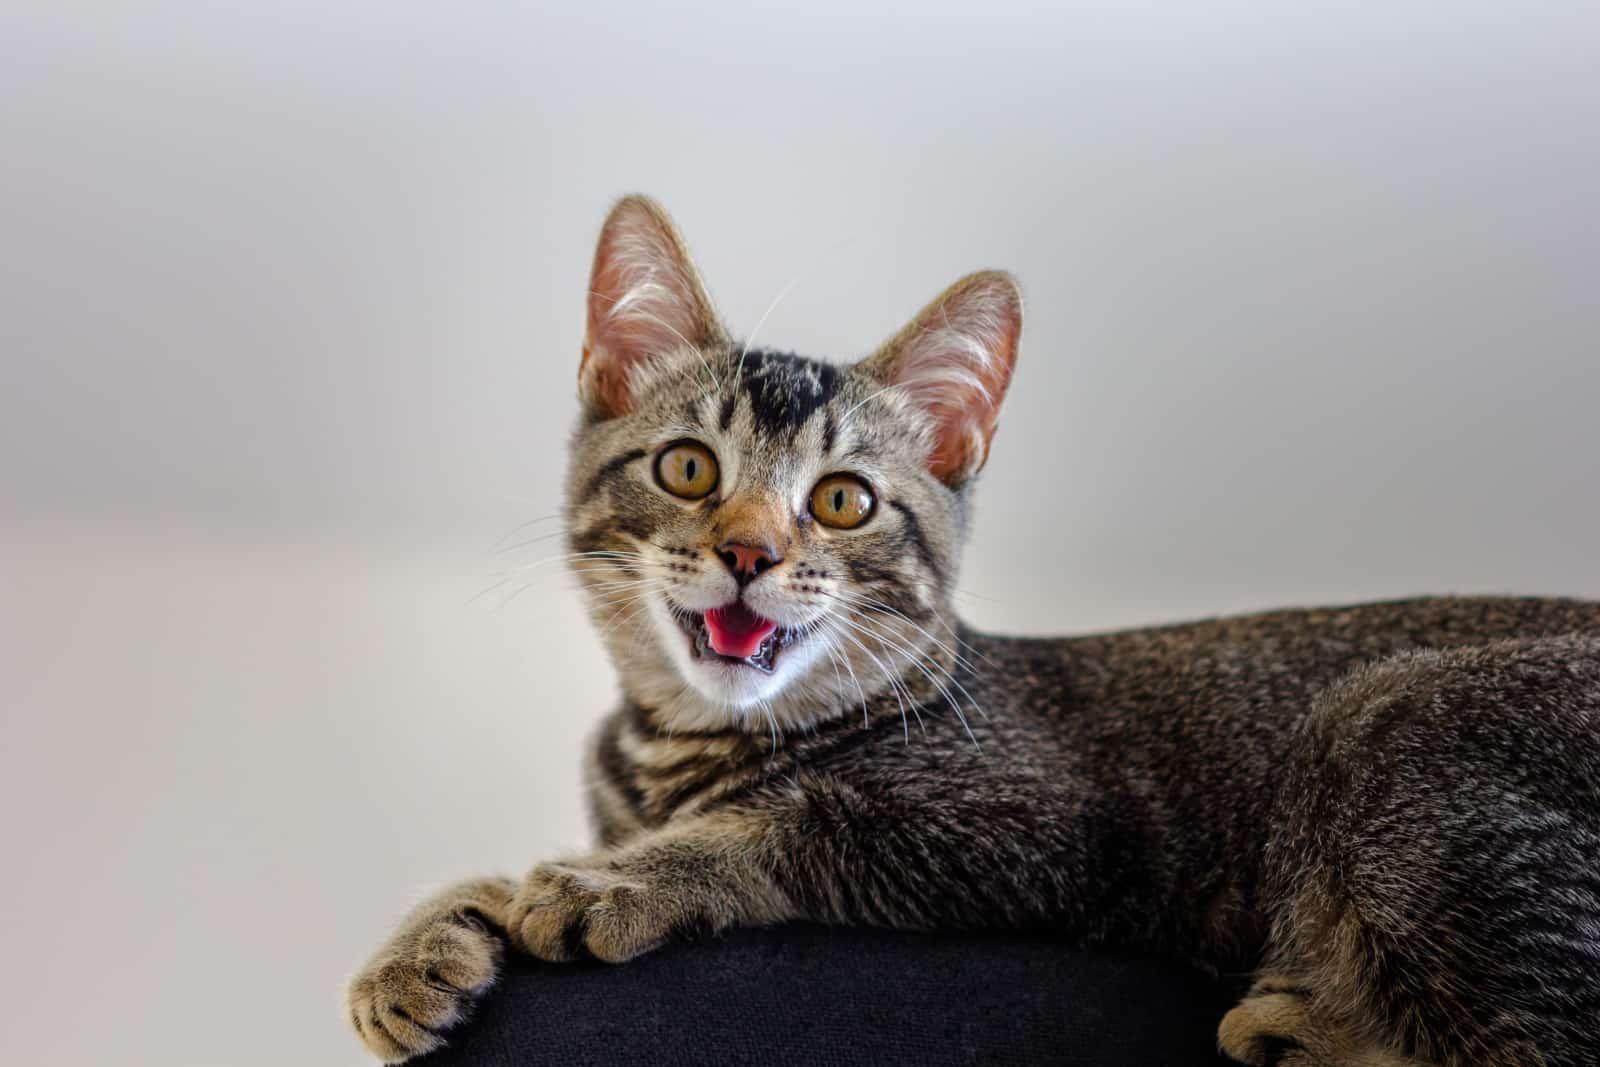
765 540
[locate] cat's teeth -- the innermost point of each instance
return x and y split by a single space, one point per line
761 659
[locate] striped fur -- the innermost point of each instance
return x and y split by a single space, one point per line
1390 812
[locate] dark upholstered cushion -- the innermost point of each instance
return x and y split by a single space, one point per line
808 995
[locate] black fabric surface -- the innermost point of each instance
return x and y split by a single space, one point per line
809 995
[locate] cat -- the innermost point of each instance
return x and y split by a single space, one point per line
1391 812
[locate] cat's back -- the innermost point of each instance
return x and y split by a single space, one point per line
1252 661
1186 730
1195 721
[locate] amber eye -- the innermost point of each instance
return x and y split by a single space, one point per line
687 469
842 501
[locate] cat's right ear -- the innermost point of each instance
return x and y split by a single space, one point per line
952 366
648 311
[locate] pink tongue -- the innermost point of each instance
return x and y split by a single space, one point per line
737 631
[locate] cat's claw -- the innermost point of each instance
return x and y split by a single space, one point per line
421 983
566 911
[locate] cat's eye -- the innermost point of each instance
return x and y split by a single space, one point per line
687 469
842 501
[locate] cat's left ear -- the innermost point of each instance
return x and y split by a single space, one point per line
953 364
648 311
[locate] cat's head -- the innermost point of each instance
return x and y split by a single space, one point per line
767 540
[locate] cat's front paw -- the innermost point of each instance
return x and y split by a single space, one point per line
566 911
422 982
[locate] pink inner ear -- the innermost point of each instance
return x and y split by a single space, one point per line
644 303
602 383
956 363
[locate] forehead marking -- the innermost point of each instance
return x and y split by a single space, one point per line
786 390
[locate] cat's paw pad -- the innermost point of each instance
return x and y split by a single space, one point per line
564 912
420 984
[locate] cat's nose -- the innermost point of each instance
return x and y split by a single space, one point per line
748 561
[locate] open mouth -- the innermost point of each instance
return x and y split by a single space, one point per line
735 634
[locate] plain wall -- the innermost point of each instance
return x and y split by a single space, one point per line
290 309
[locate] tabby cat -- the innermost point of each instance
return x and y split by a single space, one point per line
1391 811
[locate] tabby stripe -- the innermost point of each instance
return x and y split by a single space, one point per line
786 390
919 540
614 765
609 470
683 764
866 573
634 526
856 737
686 791
601 535
639 717
838 738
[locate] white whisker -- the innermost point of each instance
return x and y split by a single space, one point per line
895 685
915 660
762 321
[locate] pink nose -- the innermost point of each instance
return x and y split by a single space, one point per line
747 561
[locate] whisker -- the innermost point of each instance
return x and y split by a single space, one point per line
835 657
625 596
530 541
874 605
523 526
913 659
523 588
601 556
878 605
816 264
485 592
845 418
607 626
895 685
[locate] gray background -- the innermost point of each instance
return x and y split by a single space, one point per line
290 305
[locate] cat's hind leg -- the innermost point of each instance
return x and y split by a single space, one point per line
424 979
1433 875
1277 1025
